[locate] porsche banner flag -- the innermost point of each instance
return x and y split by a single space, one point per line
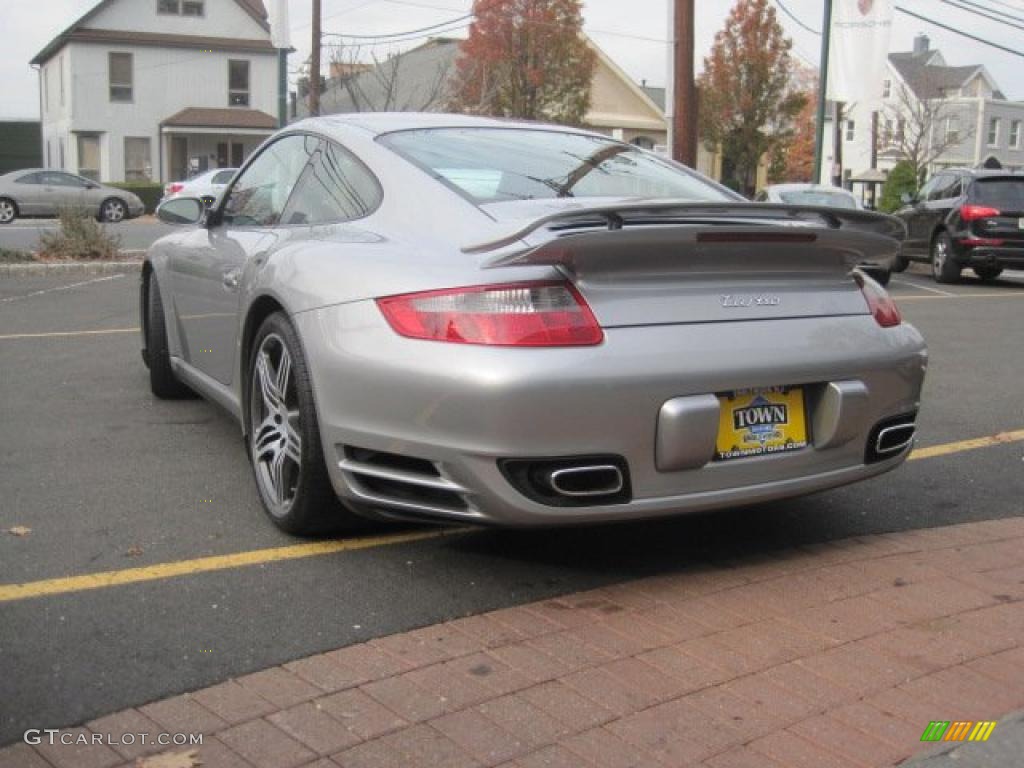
858 49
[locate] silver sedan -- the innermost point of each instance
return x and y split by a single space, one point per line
41 192
446 318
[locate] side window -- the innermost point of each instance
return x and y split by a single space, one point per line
335 187
30 178
948 187
223 177
259 196
931 189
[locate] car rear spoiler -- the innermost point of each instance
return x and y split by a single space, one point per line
737 216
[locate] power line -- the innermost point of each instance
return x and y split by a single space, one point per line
372 40
795 18
955 31
996 10
981 14
401 34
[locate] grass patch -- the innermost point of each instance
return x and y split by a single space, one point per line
10 256
80 238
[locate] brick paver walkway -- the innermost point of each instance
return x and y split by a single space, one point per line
834 655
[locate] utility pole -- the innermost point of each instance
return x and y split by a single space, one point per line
682 111
314 66
819 123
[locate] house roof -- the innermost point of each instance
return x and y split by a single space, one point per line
657 95
414 81
928 78
78 31
197 117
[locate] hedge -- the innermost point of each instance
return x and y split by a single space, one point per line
149 192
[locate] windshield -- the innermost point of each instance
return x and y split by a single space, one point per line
490 165
818 197
1004 194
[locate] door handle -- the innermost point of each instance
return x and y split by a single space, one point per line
230 278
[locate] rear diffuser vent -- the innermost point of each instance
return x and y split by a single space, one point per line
403 483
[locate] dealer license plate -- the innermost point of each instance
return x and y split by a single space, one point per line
756 422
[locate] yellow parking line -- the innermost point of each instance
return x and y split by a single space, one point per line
967 445
68 584
12 336
11 592
993 295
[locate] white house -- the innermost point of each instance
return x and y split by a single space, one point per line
157 90
974 121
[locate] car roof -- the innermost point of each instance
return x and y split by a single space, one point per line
378 123
981 173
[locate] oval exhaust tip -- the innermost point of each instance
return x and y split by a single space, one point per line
895 438
597 480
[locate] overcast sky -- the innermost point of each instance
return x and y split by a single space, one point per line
633 32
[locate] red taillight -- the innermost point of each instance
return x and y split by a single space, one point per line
975 242
539 314
173 189
882 307
973 212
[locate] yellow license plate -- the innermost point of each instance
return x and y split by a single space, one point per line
756 422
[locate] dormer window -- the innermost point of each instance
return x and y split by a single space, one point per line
181 7
886 88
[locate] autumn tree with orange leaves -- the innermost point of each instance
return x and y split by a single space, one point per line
746 103
793 160
525 59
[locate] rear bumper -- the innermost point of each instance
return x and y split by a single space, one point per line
992 256
462 409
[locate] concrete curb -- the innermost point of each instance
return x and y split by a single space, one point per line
72 268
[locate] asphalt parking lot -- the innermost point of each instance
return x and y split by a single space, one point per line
110 481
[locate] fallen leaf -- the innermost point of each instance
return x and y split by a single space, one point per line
188 759
19 530
133 552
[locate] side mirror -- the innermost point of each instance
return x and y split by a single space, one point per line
907 199
181 210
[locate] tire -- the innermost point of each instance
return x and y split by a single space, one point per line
900 264
944 268
988 273
8 210
284 437
162 381
113 210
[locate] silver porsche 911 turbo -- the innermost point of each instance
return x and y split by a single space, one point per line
456 319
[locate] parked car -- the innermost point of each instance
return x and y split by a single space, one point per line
41 192
206 186
458 319
966 218
808 194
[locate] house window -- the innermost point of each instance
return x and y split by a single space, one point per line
887 136
993 131
850 130
89 157
180 7
137 165
120 76
238 83
1015 134
953 130
886 88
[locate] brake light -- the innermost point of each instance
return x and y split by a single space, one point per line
881 304
974 212
975 242
537 314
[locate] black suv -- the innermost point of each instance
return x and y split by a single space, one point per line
966 218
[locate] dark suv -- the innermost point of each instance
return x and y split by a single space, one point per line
966 218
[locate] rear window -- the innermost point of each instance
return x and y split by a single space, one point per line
490 165
1004 194
817 197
